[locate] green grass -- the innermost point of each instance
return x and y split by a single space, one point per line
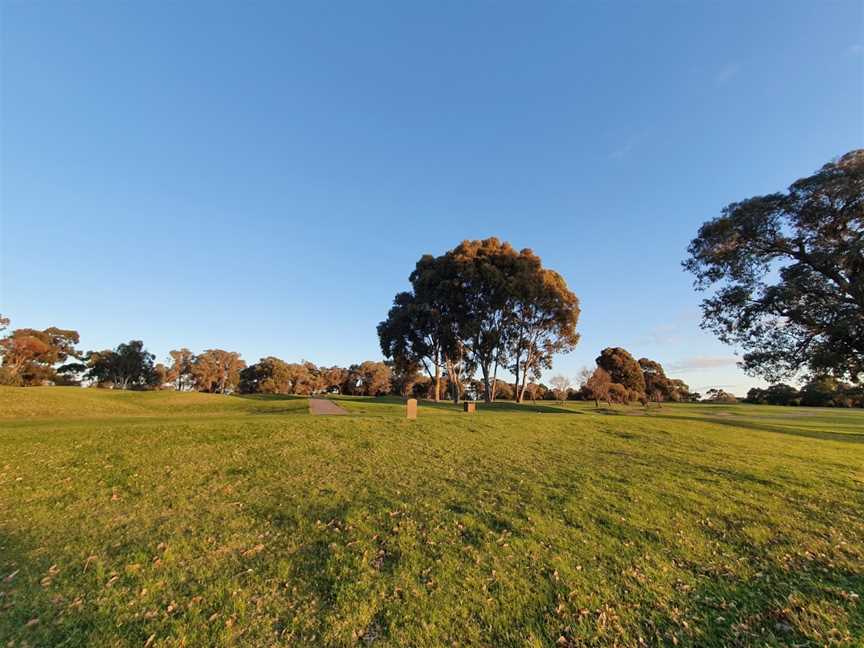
195 520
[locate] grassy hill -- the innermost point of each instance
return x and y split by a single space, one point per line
196 520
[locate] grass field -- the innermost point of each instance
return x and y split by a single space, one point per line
165 519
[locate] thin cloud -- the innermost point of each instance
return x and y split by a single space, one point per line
627 147
696 363
856 50
665 335
622 152
726 74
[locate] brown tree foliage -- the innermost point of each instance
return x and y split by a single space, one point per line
29 355
622 368
180 371
217 371
597 386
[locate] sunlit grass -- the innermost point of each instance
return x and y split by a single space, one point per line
187 519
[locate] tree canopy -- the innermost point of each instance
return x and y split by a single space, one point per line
485 306
128 366
622 368
787 271
30 355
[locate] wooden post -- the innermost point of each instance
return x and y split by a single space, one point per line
411 408
469 407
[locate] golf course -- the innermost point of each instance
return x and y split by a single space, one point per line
169 518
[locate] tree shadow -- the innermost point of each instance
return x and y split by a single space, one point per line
525 407
767 427
270 397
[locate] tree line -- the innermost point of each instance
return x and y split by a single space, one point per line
819 391
33 357
37 357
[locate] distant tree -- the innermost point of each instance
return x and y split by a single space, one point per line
4 323
756 396
618 393
717 395
504 390
657 386
299 378
180 372
820 391
535 391
160 376
561 386
780 394
217 371
788 275
596 388
680 391
371 378
481 306
128 366
583 376
334 378
267 376
314 378
30 356
622 368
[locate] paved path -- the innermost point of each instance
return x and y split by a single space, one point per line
324 407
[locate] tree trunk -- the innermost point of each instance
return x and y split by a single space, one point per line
495 381
437 382
516 373
520 389
454 382
487 389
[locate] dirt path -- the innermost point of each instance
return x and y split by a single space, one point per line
324 407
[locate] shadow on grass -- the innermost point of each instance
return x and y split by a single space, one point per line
526 407
270 397
449 406
766 427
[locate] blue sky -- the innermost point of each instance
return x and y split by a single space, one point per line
262 177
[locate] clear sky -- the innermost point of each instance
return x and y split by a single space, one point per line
262 177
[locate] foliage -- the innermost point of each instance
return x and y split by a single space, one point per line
819 391
29 356
597 386
481 306
268 376
622 368
217 371
128 366
717 395
561 386
180 371
788 269
371 378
